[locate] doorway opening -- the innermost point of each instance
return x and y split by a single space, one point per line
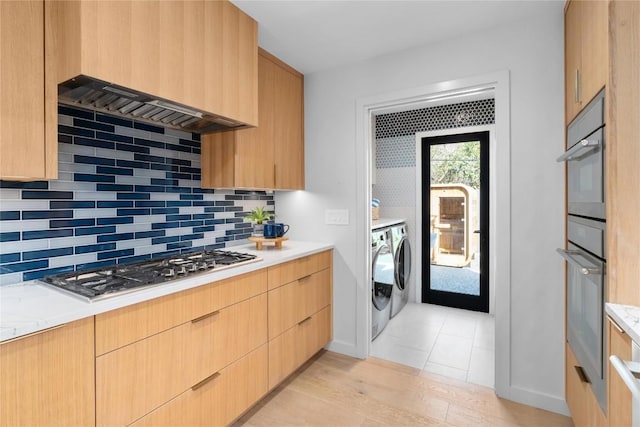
455 220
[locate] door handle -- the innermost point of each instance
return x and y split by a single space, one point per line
581 148
304 321
206 316
569 256
206 380
583 376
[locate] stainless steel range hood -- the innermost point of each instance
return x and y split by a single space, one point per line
94 94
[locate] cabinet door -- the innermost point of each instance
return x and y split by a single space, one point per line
623 156
295 301
296 345
217 400
594 41
288 130
576 390
298 268
23 151
572 59
619 394
47 378
146 374
270 156
254 148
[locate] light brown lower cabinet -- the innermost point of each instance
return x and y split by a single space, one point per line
219 399
47 379
200 357
290 350
144 375
585 409
300 312
619 394
295 301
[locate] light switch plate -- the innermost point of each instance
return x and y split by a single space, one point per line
336 216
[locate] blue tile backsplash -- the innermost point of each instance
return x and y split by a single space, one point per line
126 191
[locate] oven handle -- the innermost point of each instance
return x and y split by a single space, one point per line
568 255
581 147
627 371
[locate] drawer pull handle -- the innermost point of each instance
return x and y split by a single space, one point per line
305 278
583 376
206 316
615 325
206 380
304 321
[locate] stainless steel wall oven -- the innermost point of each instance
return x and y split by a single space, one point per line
585 158
586 269
585 251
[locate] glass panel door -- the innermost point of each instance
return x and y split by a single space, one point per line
455 214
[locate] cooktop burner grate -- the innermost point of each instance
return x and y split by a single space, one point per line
100 283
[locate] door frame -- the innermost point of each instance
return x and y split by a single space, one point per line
492 204
365 109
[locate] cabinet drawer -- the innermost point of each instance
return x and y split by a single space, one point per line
585 409
137 378
575 390
218 401
295 346
117 328
296 269
293 302
620 397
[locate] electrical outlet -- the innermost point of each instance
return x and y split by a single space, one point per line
336 216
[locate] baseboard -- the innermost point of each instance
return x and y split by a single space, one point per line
538 400
343 347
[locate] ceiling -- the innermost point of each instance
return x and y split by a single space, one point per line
316 35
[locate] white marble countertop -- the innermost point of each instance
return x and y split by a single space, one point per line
627 317
385 222
32 306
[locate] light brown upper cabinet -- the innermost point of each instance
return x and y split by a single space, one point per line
270 156
202 54
28 142
586 57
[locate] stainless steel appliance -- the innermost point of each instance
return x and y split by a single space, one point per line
402 265
88 92
585 157
586 251
97 284
586 267
382 279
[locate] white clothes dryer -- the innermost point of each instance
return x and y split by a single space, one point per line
382 279
402 267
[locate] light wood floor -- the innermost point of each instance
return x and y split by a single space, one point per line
336 390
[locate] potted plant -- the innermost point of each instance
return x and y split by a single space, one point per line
258 216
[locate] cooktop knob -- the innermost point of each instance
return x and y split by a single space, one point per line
192 267
170 272
181 270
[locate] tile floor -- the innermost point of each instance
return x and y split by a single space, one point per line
447 341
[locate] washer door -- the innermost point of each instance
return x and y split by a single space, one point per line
382 277
403 263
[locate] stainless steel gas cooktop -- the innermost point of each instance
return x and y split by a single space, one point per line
97 284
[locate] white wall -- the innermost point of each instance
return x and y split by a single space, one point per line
532 52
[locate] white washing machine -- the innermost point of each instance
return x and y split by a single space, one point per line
382 279
402 267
